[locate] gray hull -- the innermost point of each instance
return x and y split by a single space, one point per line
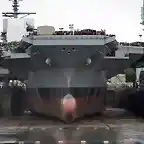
56 71
47 88
66 72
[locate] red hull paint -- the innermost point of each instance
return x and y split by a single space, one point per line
52 106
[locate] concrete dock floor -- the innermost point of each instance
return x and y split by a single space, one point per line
111 128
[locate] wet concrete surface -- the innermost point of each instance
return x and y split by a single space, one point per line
111 128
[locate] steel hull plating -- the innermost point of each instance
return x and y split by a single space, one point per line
48 102
58 71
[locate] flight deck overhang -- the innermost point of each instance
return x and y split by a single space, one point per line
135 54
10 55
17 64
3 72
115 65
68 39
124 50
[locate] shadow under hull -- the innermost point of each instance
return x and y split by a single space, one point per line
129 99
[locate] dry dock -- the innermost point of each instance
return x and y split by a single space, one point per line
111 128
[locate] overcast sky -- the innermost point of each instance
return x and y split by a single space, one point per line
121 17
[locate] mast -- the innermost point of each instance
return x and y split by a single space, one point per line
16 13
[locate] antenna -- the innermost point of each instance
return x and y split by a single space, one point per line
16 12
71 27
140 36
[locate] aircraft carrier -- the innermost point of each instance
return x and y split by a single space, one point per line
62 70
65 73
